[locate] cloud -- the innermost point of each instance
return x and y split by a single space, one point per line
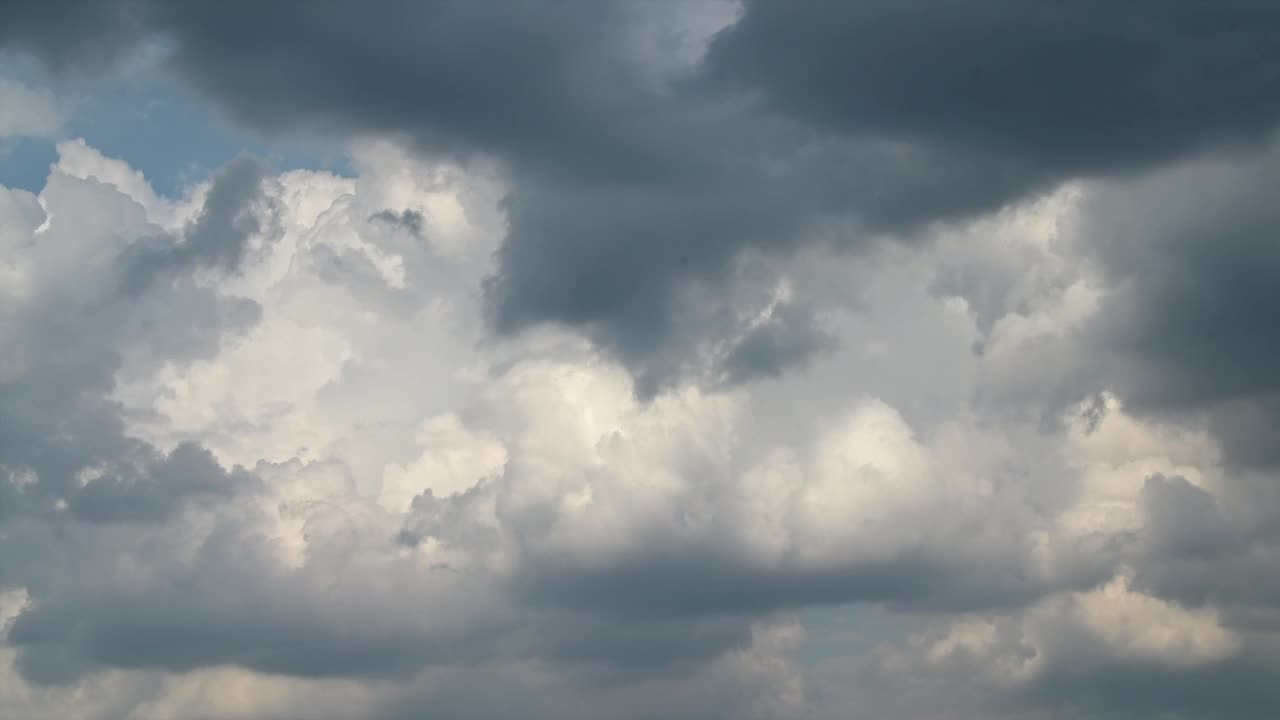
30 112
1058 91
1190 257
410 220
216 239
348 454
285 493
680 359
73 35
64 449
636 168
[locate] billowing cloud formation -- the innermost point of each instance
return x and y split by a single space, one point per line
672 359
637 166
336 484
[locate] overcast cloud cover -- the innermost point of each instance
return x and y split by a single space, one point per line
789 360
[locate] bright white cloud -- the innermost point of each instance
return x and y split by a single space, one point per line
433 507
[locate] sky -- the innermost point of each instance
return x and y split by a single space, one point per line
683 359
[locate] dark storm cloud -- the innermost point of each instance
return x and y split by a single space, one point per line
699 584
216 239
1084 680
616 261
1072 86
630 180
549 84
623 187
632 177
229 607
1193 552
73 35
1095 686
1194 257
1182 519
667 578
152 490
787 338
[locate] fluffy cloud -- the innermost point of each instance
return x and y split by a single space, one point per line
534 484
642 364
349 482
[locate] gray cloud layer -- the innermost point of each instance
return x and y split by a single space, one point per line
654 193
633 174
